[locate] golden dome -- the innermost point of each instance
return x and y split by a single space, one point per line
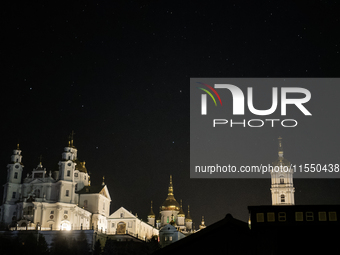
170 203
80 166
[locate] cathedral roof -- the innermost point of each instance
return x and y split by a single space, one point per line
90 189
170 203
96 189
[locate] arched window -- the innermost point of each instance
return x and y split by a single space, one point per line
282 198
282 181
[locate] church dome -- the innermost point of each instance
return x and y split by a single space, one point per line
170 203
80 166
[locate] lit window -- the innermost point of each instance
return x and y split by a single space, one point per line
298 216
170 238
260 217
322 216
309 216
282 216
165 238
332 216
270 216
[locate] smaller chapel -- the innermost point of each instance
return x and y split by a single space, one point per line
171 212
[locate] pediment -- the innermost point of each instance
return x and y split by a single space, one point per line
117 214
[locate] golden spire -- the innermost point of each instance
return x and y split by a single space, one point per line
89 181
151 214
170 203
103 183
188 218
40 160
171 188
280 149
70 139
159 215
18 146
181 212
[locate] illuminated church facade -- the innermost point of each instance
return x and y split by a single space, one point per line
63 200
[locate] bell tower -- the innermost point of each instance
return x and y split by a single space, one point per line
282 188
67 164
12 188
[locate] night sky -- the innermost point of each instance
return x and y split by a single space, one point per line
118 75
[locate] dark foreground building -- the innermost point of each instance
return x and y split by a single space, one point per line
298 229
227 236
278 229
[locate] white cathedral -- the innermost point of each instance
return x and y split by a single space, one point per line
66 200
63 200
